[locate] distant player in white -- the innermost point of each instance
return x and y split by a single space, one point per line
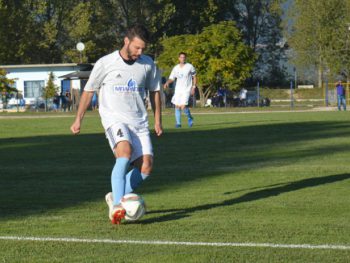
123 79
185 75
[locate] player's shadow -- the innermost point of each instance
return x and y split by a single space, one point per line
267 192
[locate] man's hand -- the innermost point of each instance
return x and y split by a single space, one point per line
75 128
167 83
83 105
158 129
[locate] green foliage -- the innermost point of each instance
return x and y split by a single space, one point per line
320 34
50 89
5 83
48 31
172 46
6 86
260 23
221 55
218 54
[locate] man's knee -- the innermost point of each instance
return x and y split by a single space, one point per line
123 149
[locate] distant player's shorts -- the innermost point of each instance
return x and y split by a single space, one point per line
180 98
139 139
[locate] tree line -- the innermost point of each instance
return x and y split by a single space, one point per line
319 39
314 35
47 31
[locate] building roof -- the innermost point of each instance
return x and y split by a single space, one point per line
39 65
76 75
83 66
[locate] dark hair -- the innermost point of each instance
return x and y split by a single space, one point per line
182 53
139 31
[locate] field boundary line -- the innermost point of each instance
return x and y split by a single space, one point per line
260 112
175 243
316 109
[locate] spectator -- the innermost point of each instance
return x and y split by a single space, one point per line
75 96
56 102
243 97
63 102
94 101
341 95
221 97
68 98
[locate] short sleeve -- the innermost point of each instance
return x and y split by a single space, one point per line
154 78
173 74
193 71
96 77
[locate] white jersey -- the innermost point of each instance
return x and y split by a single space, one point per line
183 76
123 89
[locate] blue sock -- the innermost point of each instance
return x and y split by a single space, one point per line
133 180
178 116
188 113
118 178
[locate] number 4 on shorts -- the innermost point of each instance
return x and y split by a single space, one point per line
120 133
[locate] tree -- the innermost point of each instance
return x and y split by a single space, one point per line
318 34
48 30
78 25
50 89
261 25
17 36
155 15
6 86
218 54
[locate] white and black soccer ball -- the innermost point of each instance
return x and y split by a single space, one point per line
134 206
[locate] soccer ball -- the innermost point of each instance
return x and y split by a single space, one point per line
134 206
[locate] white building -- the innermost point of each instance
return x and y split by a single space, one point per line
31 79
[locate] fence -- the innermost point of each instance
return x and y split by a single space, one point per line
283 98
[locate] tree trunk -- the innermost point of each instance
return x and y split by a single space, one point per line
320 76
204 95
201 96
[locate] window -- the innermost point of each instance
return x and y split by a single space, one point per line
33 89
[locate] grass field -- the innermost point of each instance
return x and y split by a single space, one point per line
240 179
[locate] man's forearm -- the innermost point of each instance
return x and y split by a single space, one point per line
169 81
194 81
84 104
156 106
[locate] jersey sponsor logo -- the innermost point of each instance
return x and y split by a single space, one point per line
131 86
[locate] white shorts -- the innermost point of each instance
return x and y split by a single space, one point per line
139 139
181 98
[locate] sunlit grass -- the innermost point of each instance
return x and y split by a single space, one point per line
269 178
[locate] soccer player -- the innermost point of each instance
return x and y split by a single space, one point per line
185 75
123 79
